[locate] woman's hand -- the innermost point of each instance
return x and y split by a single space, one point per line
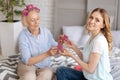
53 51
65 53
70 44
64 39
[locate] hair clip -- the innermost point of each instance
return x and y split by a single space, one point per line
25 12
29 8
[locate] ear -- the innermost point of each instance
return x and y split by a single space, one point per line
24 22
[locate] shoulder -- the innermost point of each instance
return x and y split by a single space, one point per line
23 34
100 38
45 30
101 41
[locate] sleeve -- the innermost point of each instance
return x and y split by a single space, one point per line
24 48
97 47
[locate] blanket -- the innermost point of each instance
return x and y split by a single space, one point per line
8 65
8 68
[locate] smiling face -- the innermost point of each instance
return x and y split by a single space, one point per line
33 20
95 22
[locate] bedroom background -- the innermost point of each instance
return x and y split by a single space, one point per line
58 13
68 17
46 13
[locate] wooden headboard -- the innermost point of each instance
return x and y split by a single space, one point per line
68 13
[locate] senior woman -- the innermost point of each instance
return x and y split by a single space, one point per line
36 45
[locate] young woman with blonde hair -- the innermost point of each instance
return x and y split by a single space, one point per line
94 59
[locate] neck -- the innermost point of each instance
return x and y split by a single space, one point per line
35 32
95 33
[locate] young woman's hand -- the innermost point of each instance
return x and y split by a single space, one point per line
65 53
70 44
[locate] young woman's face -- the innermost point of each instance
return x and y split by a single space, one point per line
33 20
95 22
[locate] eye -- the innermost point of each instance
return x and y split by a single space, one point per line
38 19
32 20
97 20
91 17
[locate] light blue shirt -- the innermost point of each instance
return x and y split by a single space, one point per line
102 72
30 45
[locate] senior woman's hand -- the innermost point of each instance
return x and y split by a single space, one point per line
53 51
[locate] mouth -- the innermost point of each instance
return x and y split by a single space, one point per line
36 25
91 25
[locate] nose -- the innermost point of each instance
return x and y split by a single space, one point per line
36 22
92 21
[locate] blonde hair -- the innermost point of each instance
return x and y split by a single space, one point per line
106 30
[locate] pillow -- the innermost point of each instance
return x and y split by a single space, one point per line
115 52
84 38
8 67
74 33
116 39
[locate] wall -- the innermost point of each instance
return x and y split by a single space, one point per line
118 15
111 9
46 13
69 13
47 9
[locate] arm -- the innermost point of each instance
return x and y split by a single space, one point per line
25 50
91 65
94 57
79 53
74 47
50 52
29 60
39 58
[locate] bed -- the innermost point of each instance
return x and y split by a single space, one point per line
70 21
81 40
8 65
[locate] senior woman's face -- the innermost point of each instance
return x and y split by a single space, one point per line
33 20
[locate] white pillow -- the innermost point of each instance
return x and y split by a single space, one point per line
116 38
74 33
115 52
84 38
